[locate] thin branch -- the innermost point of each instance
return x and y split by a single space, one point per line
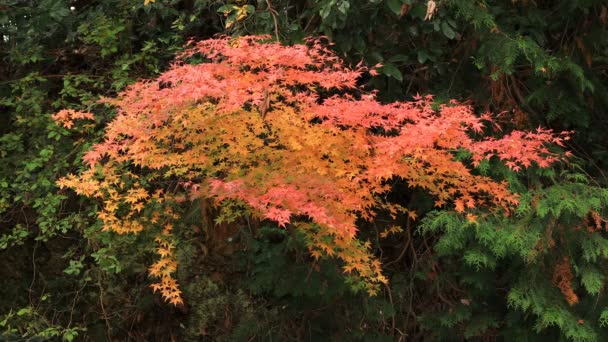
274 15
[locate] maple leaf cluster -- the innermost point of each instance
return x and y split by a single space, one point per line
66 117
253 122
164 268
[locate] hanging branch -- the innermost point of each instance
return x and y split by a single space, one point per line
274 15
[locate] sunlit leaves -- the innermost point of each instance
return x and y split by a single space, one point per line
234 13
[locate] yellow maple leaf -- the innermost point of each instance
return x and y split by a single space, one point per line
146 2
138 207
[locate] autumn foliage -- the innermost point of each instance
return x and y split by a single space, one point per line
562 279
287 132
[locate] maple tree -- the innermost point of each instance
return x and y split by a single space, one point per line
287 132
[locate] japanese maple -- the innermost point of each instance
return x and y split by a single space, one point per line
287 131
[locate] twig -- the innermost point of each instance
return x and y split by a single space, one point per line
274 14
390 298
33 273
104 313
310 21
406 245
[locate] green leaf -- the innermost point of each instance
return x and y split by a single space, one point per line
399 58
394 5
376 57
423 56
226 9
24 311
418 10
447 30
343 7
391 70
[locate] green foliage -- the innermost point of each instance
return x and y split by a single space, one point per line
311 293
29 323
524 250
536 62
217 311
273 271
61 54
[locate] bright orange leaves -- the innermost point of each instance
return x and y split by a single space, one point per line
254 123
66 117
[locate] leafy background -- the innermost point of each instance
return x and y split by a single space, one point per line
537 275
